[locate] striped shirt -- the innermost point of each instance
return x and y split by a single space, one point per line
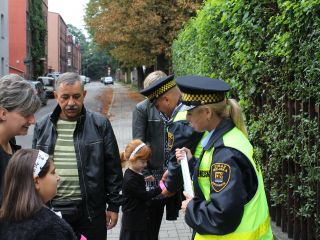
66 162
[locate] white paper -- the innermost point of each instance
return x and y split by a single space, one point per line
186 176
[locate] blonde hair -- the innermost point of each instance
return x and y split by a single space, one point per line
144 153
152 77
230 108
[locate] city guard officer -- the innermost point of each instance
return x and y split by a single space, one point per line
230 201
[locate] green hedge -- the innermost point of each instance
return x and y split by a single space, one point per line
38 27
269 49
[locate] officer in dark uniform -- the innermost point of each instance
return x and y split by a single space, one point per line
166 97
229 200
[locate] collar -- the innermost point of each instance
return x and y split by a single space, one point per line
56 114
205 141
14 145
224 126
174 113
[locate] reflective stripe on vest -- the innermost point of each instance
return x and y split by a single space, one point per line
255 222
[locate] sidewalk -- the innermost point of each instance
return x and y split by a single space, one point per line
121 114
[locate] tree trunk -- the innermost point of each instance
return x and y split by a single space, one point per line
140 77
163 63
149 70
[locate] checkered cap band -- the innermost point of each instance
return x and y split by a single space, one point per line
203 98
161 90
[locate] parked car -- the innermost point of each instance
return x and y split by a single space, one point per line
55 75
108 80
83 79
87 79
39 90
49 84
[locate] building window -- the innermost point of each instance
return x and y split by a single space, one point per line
69 48
2 26
69 61
2 67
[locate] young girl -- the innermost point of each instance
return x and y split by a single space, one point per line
134 220
30 181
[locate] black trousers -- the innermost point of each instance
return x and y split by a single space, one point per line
74 213
155 213
92 230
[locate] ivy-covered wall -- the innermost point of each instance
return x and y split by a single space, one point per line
38 37
269 51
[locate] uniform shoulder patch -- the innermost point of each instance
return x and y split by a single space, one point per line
220 176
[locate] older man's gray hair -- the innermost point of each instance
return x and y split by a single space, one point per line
17 95
152 77
68 78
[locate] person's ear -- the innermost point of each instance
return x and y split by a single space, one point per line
55 95
208 111
84 93
36 183
166 99
3 114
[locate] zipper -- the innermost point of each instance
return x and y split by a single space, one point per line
82 175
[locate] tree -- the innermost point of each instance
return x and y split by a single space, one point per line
39 36
95 60
80 37
138 32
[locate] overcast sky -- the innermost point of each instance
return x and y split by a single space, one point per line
72 11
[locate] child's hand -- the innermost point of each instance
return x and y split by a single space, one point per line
149 178
180 153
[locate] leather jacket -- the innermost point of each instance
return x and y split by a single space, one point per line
99 166
146 124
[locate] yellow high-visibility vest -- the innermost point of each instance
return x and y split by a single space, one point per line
255 223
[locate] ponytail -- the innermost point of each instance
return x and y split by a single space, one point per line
230 108
237 116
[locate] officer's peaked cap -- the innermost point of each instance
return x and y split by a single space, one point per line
159 87
199 90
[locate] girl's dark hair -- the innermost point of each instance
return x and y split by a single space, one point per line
20 197
144 153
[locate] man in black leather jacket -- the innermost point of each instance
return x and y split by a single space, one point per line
85 140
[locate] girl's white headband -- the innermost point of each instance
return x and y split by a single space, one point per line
41 160
136 150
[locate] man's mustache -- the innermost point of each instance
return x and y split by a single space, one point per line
71 108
